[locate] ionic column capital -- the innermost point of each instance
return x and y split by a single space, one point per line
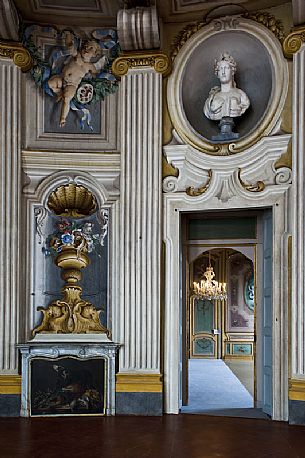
159 61
15 51
294 41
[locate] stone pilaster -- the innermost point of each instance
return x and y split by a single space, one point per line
10 196
138 316
298 250
294 47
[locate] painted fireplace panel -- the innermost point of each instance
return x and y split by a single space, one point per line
67 386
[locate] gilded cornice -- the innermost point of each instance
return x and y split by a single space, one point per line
294 41
268 20
15 51
168 170
159 61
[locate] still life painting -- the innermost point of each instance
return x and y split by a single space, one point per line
67 386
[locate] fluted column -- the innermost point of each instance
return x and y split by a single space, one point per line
9 215
138 327
298 250
294 47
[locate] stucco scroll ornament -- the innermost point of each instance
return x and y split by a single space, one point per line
40 215
191 191
258 187
103 219
78 70
294 41
21 57
226 101
159 61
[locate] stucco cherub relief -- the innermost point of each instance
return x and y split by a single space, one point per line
226 101
76 71
78 65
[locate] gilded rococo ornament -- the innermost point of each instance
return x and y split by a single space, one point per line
191 191
21 56
294 41
159 61
73 201
70 245
258 187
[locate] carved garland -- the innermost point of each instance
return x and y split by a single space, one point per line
160 62
21 57
266 19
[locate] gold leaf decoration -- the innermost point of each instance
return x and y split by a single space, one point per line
72 200
191 191
258 187
159 61
15 51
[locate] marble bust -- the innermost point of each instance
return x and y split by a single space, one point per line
226 100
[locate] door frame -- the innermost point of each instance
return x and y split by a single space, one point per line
175 204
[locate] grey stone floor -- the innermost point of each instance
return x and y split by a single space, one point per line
215 390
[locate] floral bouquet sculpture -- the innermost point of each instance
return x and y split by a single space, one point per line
70 244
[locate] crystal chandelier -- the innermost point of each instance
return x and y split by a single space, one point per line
209 288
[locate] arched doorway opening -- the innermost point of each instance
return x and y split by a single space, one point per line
240 246
220 339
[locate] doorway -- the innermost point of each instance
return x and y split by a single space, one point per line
222 340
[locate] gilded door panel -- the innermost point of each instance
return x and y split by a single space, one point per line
204 346
203 318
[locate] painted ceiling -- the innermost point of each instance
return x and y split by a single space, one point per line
103 12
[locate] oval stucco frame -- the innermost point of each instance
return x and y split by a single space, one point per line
274 109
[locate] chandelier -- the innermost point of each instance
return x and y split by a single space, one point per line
209 288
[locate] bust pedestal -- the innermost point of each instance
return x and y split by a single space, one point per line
226 126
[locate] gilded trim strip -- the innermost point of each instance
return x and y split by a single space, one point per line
297 390
15 51
293 42
139 383
10 384
159 61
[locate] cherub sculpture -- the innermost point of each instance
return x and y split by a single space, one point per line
80 63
